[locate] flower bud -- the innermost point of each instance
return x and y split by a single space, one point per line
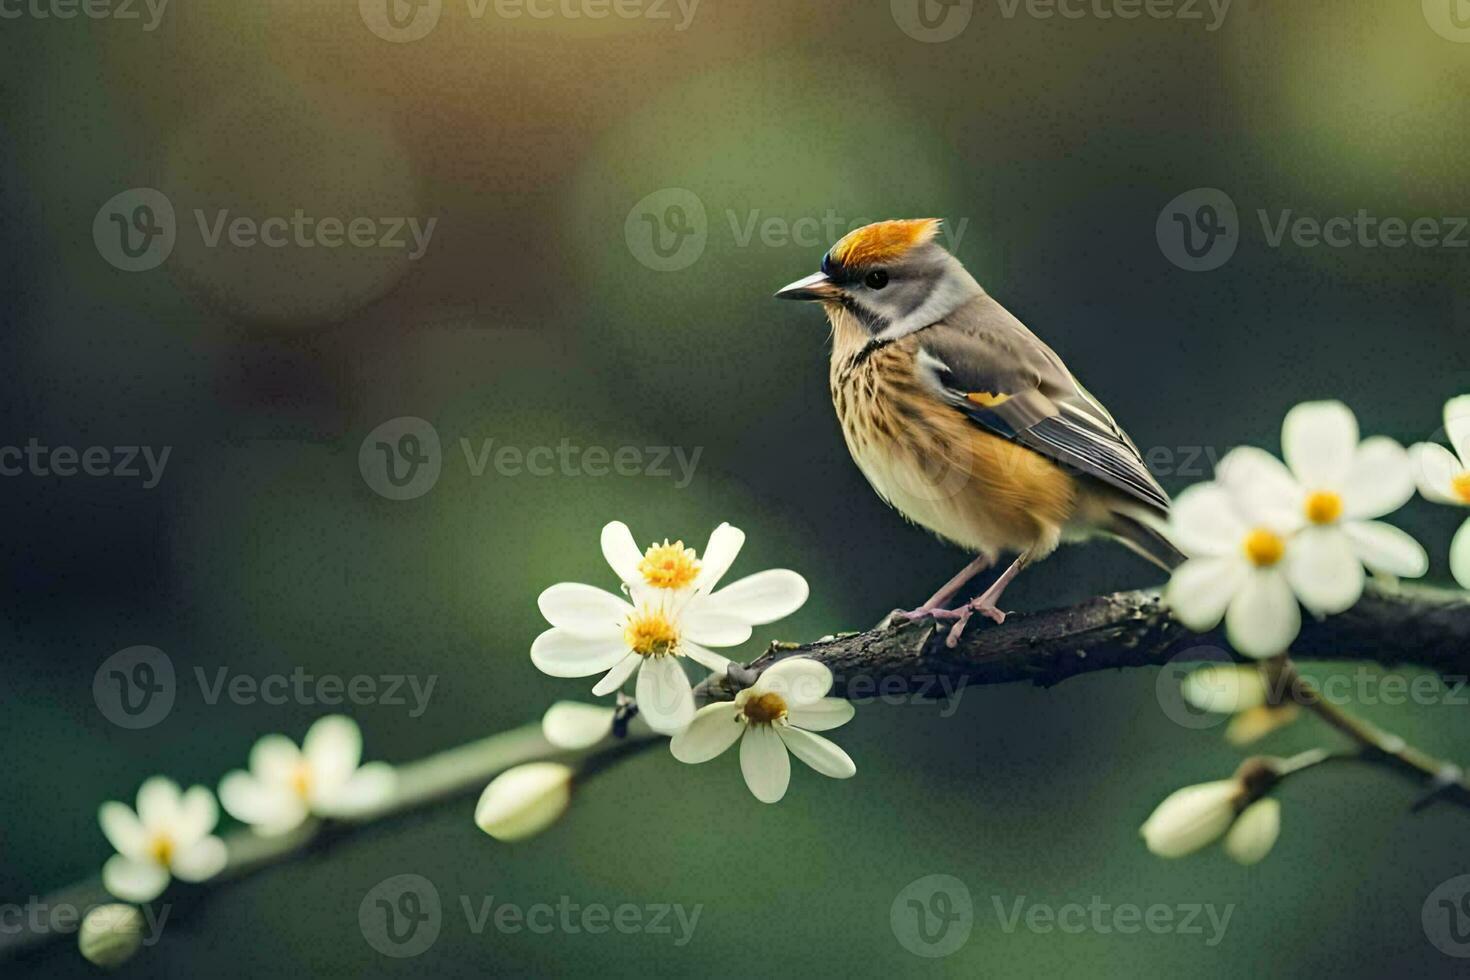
1191 817
1254 832
524 801
574 725
1225 688
110 935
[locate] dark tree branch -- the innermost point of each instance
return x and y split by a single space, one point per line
1409 625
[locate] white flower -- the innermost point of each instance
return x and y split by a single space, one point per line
169 835
1254 832
524 801
1196 816
1444 477
573 725
674 569
286 784
1234 572
1326 498
777 714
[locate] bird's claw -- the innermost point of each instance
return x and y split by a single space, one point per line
962 619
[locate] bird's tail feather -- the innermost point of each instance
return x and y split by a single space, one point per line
1147 540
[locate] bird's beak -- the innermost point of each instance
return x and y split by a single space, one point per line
814 287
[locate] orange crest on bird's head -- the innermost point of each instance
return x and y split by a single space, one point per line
883 241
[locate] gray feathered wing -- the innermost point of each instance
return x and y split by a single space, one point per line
987 364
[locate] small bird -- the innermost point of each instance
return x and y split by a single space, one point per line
965 422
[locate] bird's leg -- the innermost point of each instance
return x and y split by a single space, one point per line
936 605
985 603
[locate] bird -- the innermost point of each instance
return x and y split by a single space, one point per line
966 422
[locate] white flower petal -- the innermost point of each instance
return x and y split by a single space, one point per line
822 715
333 748
1435 469
270 808
1204 522
1263 619
763 597
1381 479
703 624
560 654
705 658
201 860
367 789
665 697
1200 590
1190 818
823 755
1318 440
622 552
1386 549
799 681
134 881
1254 832
583 610
1263 489
198 813
1460 556
1324 570
764 763
122 828
524 801
615 678
159 799
274 758
714 729
724 544
574 725
1457 425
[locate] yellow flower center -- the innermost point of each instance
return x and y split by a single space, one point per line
301 780
1324 507
650 634
763 709
1264 548
161 848
1461 485
669 566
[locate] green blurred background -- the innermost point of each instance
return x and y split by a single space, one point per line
1050 145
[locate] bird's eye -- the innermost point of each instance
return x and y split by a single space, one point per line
876 279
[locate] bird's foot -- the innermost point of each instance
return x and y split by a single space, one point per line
901 617
962 620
